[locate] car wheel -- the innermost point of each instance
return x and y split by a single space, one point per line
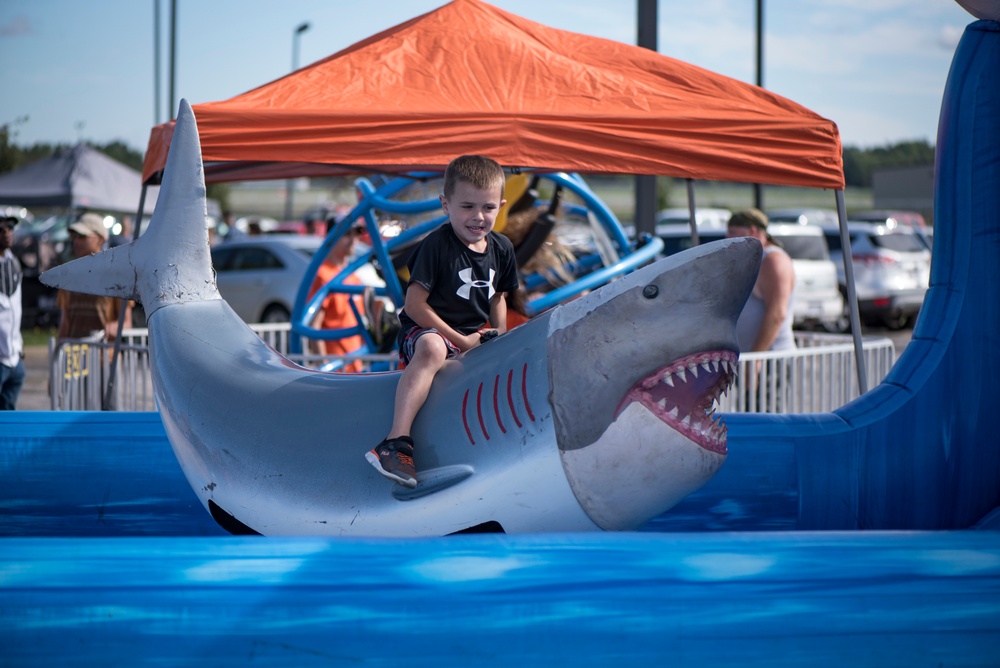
895 321
842 324
276 313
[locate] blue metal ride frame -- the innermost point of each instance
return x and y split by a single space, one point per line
591 271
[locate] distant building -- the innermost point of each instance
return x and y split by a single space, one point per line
905 189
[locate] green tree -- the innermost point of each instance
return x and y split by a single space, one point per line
859 164
220 193
123 153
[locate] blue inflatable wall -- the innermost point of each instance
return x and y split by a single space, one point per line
920 450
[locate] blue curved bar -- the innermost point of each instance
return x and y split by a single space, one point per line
380 199
598 277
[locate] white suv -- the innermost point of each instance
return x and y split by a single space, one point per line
818 300
891 271
705 218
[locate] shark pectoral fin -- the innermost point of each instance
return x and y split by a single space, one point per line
433 480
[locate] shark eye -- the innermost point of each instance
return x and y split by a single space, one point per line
650 292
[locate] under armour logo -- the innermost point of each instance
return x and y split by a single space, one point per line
467 283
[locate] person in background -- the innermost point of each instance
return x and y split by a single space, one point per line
227 230
766 321
11 344
83 315
335 312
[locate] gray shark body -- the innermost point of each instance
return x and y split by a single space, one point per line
594 416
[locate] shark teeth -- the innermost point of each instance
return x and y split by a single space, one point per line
684 394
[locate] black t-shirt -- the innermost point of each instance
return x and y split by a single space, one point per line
461 282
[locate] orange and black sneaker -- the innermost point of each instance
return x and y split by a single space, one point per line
393 458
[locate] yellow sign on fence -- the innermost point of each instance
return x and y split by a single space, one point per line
77 361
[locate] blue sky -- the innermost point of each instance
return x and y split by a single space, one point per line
72 70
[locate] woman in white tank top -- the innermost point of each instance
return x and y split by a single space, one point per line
766 321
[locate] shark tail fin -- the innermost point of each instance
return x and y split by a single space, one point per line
171 262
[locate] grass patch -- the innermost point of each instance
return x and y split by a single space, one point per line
38 336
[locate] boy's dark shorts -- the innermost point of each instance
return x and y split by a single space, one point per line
408 343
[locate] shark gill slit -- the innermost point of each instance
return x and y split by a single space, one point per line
496 402
479 411
510 398
465 417
524 391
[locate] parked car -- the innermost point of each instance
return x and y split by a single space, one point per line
677 237
804 216
317 227
818 299
891 272
43 243
260 276
707 217
908 220
40 244
891 218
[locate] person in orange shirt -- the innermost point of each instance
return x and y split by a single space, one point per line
335 312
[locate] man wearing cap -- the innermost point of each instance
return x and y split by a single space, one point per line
11 343
82 315
766 321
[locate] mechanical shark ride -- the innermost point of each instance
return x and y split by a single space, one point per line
867 536
595 415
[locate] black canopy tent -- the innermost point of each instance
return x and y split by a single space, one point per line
80 177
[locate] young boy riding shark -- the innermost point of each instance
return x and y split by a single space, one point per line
459 277
595 415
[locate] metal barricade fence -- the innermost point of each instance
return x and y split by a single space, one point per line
818 376
81 368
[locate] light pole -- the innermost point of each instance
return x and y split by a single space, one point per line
290 183
758 190
645 184
302 27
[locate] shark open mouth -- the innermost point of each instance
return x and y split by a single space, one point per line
683 394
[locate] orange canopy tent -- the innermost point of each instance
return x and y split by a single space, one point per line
415 96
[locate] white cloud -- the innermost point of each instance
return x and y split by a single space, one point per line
948 37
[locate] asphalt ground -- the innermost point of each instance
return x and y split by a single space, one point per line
35 393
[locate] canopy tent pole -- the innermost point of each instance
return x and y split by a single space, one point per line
692 222
106 399
852 295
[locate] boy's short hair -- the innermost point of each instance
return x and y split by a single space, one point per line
482 172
